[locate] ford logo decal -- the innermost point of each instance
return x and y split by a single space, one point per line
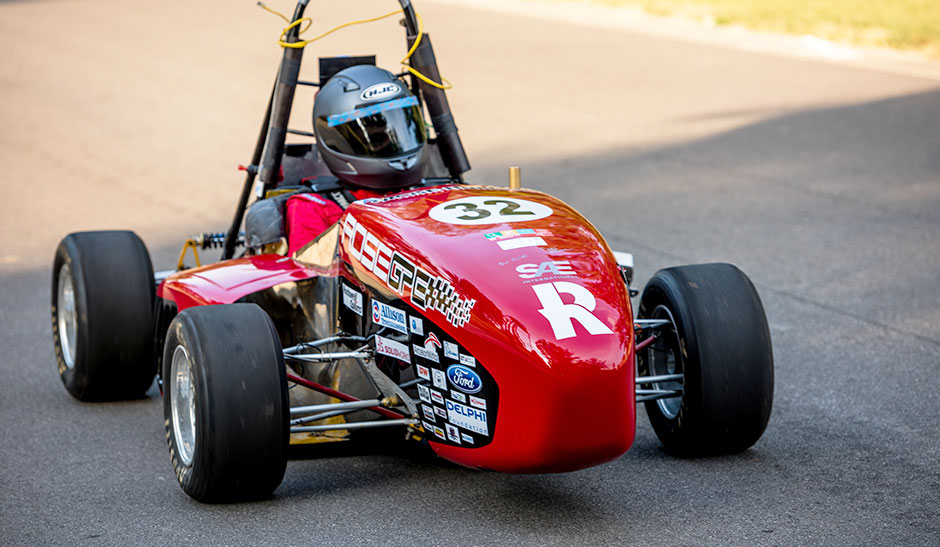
464 379
380 91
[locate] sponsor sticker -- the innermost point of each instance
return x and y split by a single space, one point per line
387 316
416 324
464 379
458 396
440 412
478 402
352 299
387 346
468 418
495 236
452 433
424 393
427 427
450 350
425 353
429 350
476 210
520 242
424 372
439 432
468 360
428 413
437 397
466 438
440 380
554 268
562 316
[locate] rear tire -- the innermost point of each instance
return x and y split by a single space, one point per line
225 403
720 342
102 308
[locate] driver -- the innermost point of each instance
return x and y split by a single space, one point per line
371 135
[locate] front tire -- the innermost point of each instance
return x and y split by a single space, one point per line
102 308
225 403
719 340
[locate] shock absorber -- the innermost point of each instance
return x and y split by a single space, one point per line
216 240
208 240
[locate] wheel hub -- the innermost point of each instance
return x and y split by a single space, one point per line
664 360
183 404
65 312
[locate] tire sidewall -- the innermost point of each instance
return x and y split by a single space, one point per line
182 333
75 379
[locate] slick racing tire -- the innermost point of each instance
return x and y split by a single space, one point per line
719 341
102 307
225 403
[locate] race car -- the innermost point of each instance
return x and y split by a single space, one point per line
491 323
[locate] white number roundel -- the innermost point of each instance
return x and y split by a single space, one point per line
488 210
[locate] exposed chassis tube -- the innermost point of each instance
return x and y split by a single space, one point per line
644 394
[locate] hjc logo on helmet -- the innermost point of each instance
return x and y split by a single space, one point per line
380 91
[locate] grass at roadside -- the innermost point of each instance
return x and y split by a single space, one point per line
901 24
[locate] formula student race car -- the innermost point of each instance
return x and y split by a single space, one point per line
493 324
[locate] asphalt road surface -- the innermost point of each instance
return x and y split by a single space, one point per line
820 180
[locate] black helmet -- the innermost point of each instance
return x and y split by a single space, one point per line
369 129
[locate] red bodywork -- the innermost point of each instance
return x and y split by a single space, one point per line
566 396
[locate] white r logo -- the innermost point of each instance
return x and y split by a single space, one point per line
560 315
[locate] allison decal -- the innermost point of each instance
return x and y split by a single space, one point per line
387 316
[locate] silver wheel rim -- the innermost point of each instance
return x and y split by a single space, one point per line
65 313
663 359
183 405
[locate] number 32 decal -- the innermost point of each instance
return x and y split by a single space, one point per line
488 210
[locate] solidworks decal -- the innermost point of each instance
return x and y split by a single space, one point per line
467 418
387 316
424 290
562 316
386 346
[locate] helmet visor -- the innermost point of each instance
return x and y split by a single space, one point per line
382 130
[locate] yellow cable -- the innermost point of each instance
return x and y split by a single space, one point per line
303 43
269 10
